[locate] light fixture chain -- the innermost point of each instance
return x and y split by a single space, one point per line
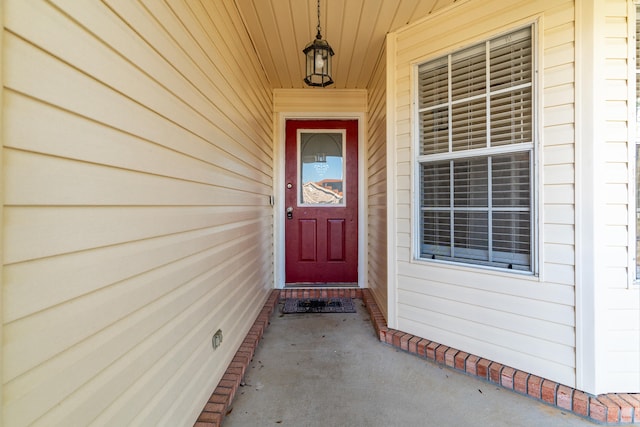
318 36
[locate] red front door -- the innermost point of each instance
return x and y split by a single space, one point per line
321 179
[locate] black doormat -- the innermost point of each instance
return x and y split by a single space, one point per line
319 305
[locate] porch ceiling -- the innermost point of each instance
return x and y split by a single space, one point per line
355 29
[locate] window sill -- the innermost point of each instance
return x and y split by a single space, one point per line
477 269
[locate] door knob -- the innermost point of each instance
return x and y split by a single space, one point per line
289 212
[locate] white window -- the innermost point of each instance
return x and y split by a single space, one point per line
475 154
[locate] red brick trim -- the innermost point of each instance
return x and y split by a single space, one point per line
612 408
322 293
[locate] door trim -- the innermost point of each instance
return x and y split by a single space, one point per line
279 182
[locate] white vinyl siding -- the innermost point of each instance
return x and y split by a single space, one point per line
137 174
519 320
621 315
377 185
578 322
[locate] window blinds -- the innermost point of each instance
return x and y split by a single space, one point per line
476 206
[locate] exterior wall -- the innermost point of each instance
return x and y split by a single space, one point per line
137 171
621 370
565 324
377 186
321 100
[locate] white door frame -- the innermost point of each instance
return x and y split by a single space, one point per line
279 192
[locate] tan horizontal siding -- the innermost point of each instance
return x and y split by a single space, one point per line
323 99
177 240
377 186
174 152
137 167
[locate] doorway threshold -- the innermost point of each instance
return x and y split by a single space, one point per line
321 285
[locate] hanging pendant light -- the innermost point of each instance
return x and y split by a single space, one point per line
318 58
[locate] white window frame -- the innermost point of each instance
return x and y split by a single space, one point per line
532 148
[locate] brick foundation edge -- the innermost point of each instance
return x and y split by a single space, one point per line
612 408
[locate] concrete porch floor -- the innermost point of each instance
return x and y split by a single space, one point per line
332 370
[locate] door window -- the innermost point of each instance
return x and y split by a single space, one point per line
321 166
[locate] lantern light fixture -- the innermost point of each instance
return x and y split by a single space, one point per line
318 60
